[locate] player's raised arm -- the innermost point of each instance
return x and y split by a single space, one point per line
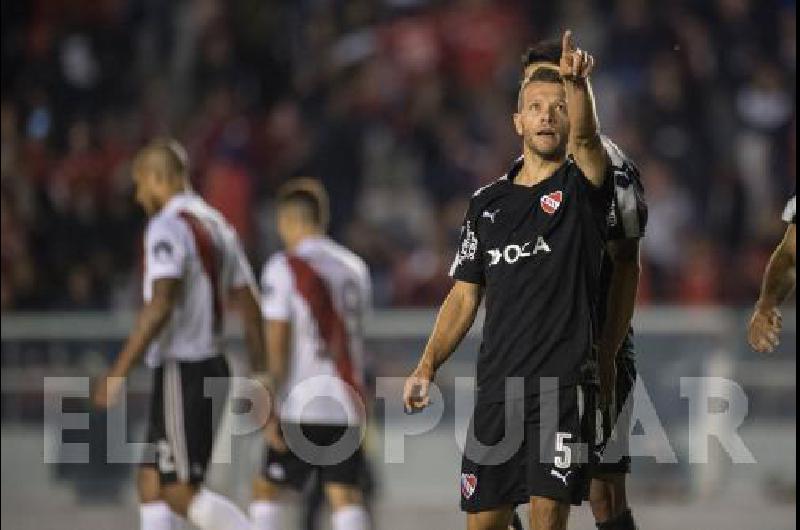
455 318
779 282
584 138
149 323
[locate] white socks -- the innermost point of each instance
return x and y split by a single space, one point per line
209 511
353 517
266 515
157 516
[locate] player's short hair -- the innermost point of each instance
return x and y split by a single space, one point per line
170 153
545 51
309 196
540 75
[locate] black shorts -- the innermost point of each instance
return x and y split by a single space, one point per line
547 457
613 449
183 421
293 469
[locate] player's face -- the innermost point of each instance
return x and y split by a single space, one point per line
542 120
146 183
286 224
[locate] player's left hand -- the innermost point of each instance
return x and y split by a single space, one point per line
106 391
575 63
763 330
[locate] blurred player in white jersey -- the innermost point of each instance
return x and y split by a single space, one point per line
193 261
315 296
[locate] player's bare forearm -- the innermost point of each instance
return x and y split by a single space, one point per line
454 320
781 275
246 301
584 128
585 145
278 340
621 296
152 318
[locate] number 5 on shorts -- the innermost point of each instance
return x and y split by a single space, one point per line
563 457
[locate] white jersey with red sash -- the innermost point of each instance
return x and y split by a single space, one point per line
191 241
323 290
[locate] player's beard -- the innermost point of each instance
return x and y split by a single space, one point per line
555 154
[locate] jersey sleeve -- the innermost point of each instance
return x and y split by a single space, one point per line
165 249
468 262
790 212
276 289
627 217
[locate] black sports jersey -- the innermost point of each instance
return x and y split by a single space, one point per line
627 219
538 251
790 212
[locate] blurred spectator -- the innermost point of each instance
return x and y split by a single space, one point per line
401 108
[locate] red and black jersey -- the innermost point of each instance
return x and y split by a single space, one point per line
538 251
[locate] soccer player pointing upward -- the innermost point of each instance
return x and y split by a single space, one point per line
532 245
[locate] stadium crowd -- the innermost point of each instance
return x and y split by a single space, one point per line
402 108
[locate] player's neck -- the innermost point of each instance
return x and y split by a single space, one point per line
300 237
171 194
536 169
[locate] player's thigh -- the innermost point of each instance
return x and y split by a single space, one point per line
607 496
341 495
494 519
548 514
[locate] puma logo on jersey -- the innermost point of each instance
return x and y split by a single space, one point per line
561 476
551 202
513 253
490 215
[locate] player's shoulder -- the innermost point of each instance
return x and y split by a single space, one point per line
790 211
165 222
616 155
278 260
276 269
625 170
349 259
495 188
488 189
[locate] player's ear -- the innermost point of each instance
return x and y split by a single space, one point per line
518 123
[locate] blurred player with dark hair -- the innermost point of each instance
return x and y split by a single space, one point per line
627 220
316 294
532 242
193 260
779 282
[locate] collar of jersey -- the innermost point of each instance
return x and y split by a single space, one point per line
178 201
516 166
309 242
